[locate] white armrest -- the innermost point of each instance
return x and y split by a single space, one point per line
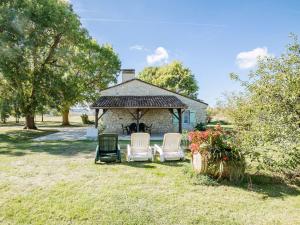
158 148
182 152
119 148
150 153
128 153
128 150
161 154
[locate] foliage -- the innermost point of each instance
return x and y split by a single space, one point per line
5 110
222 158
93 68
210 112
34 35
173 76
221 122
48 58
200 127
184 139
267 114
5 106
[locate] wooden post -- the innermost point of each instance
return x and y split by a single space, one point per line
96 118
180 120
138 120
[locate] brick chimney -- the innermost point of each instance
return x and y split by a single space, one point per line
128 74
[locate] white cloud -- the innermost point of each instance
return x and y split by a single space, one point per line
137 47
247 60
160 55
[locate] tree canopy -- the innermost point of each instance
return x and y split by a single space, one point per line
173 76
267 113
48 58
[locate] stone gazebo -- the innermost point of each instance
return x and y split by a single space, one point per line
138 106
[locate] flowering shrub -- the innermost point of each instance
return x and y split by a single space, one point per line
218 151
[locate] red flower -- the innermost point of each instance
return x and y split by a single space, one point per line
225 158
194 147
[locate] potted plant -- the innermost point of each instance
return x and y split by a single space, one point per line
214 153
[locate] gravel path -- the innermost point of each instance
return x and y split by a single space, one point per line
66 134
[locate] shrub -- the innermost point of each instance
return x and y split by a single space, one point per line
200 127
266 115
184 140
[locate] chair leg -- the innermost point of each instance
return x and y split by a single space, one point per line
162 158
119 156
97 158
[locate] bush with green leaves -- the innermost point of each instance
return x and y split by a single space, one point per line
5 110
200 127
266 114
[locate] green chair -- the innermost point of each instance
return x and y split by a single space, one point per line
108 148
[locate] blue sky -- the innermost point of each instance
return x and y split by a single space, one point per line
212 38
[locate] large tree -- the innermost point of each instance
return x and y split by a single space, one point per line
173 76
34 35
267 114
86 73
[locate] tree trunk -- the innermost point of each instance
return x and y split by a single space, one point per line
65 117
30 124
42 117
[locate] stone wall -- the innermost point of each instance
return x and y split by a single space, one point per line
160 118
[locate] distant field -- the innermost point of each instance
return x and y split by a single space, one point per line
49 120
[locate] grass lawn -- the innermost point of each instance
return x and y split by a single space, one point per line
58 183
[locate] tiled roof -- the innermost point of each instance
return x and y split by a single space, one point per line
157 101
137 79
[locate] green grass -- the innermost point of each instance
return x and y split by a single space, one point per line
57 182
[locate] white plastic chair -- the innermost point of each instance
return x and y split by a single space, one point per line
171 149
139 149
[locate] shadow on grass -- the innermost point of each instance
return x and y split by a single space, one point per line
59 125
40 124
17 136
63 148
267 185
175 163
145 165
19 143
12 153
